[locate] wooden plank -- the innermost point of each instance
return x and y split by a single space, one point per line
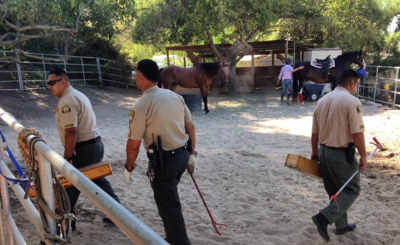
304 165
94 171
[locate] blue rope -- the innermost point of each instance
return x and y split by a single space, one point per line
21 175
20 172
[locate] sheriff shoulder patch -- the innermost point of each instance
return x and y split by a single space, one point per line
65 109
131 116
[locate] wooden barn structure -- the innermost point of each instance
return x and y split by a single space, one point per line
254 77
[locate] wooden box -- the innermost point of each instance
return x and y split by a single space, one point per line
304 165
94 171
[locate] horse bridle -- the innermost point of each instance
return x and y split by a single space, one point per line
361 64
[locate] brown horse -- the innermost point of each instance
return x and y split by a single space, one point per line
314 74
199 76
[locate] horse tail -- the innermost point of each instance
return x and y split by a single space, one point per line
159 83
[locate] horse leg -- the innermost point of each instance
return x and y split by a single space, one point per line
173 86
205 104
203 91
296 78
333 82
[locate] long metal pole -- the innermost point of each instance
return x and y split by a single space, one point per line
2 236
2 183
83 72
47 191
395 88
14 236
123 218
99 72
376 82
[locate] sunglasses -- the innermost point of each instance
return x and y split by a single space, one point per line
134 74
52 82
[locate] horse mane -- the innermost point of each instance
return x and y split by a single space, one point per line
159 83
210 69
346 55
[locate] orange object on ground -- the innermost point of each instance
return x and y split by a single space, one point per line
301 96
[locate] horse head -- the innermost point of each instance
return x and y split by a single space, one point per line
359 60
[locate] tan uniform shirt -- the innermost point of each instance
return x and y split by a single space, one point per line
336 117
159 112
74 110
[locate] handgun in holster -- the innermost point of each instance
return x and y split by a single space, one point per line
350 152
160 153
152 155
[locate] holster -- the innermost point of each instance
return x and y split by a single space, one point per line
189 145
350 152
153 159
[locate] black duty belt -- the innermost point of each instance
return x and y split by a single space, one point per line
335 148
174 152
87 142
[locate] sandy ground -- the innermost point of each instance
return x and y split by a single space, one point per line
242 144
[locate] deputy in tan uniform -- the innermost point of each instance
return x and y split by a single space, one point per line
338 128
161 116
76 123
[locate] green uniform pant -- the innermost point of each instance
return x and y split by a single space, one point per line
335 171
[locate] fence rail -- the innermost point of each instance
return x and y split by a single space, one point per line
382 85
135 229
31 74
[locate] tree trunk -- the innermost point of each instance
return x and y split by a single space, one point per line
232 77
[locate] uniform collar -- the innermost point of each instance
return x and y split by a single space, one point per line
152 88
339 88
67 90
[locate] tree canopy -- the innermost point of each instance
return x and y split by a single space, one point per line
60 27
348 24
67 27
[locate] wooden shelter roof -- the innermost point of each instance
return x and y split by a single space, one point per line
265 47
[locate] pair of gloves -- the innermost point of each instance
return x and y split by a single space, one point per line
128 175
192 162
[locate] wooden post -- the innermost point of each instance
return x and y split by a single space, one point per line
273 58
20 81
167 57
252 70
99 72
286 48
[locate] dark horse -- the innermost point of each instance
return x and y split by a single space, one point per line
314 74
199 76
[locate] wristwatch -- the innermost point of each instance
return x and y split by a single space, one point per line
194 153
133 167
68 158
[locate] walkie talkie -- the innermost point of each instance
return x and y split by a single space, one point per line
152 154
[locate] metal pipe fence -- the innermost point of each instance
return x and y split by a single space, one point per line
31 74
134 228
381 85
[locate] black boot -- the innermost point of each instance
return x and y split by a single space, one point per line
322 225
282 99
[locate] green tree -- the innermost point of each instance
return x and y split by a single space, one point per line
348 24
60 27
198 22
